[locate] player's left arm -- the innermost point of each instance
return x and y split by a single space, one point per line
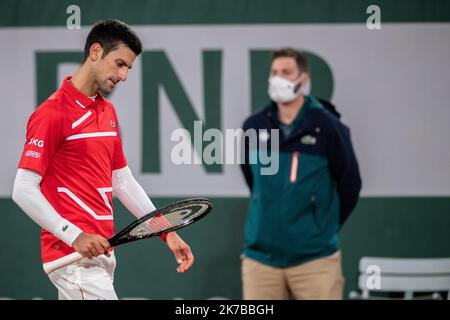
134 198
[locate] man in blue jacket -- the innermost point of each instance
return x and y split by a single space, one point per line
291 235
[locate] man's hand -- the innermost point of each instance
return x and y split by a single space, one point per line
91 245
181 251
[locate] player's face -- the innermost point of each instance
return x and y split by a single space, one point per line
113 68
285 67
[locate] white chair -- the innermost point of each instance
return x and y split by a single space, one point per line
403 276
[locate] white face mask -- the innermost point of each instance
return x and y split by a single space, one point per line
282 90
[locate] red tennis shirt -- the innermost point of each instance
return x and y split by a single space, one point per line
73 142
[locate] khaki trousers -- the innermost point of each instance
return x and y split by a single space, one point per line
320 279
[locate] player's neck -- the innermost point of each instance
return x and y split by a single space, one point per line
287 112
83 81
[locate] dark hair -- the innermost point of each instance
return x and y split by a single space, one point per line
298 56
110 34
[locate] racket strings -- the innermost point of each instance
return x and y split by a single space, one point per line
164 221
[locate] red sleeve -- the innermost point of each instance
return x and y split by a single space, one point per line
43 138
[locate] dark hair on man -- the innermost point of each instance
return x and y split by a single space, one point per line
110 34
298 56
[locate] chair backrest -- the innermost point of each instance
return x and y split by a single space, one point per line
404 275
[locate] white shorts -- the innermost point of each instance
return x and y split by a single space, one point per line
86 279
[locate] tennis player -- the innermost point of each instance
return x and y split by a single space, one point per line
73 161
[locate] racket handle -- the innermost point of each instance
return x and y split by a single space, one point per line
60 263
64 261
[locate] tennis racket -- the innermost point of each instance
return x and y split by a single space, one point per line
170 218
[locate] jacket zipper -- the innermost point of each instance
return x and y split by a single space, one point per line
294 167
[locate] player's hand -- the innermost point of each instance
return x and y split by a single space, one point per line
91 245
181 250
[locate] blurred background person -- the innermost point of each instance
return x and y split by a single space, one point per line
291 235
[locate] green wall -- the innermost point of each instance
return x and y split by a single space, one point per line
53 12
391 227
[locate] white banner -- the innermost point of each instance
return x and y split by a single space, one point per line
390 85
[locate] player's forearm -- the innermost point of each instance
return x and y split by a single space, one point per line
28 196
130 193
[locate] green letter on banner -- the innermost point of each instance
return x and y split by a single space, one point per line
158 71
47 71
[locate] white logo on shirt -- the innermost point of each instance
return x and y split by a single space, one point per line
36 142
33 154
308 139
